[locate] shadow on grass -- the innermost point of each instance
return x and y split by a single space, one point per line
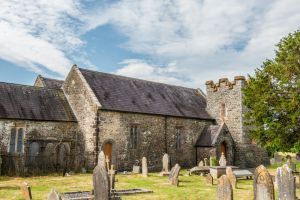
9 188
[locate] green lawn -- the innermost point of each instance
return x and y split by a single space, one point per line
190 187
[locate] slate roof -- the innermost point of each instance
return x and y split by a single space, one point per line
118 93
33 103
52 83
208 136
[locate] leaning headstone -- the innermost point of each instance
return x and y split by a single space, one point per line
285 183
205 162
101 183
165 162
222 161
201 164
173 177
224 189
53 195
136 169
231 177
144 167
26 191
272 161
263 184
209 179
101 159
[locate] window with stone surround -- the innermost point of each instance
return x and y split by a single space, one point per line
133 136
16 140
178 138
223 111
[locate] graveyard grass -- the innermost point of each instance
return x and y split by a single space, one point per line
190 187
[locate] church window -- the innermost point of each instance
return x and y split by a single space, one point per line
223 112
16 140
133 136
178 138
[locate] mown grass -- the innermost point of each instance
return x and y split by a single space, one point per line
190 187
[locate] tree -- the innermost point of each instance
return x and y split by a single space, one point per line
272 98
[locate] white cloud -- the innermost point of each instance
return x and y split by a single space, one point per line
206 39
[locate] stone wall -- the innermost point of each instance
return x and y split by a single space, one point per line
44 135
85 107
156 135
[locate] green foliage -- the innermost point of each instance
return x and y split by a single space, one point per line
273 98
213 161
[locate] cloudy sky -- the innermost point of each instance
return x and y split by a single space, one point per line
182 42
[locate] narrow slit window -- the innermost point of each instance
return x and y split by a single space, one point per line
223 112
178 138
134 136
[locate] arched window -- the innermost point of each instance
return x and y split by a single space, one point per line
178 137
133 136
16 140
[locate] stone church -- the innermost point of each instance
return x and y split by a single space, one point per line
56 125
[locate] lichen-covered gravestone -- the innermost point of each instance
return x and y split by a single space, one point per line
291 165
231 177
144 167
53 195
174 174
101 183
222 161
165 164
286 183
272 161
277 157
224 189
26 191
263 184
136 169
101 159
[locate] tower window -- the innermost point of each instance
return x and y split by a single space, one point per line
16 140
133 136
223 112
178 138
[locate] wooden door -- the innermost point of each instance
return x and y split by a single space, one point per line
223 148
108 150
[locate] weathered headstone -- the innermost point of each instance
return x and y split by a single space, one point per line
222 161
224 189
291 165
201 164
101 159
263 184
144 167
101 183
277 157
26 191
136 169
209 179
231 177
205 162
53 195
173 177
285 183
272 161
165 162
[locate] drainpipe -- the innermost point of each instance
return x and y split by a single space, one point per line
97 132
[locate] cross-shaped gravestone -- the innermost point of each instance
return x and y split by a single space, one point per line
101 183
26 191
144 167
285 183
263 184
231 177
224 189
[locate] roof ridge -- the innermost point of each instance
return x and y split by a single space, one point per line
28 86
138 79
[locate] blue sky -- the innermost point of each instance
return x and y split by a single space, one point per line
173 41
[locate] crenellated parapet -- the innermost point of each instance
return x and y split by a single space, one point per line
225 83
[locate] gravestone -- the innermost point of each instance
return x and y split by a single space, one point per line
285 183
174 174
165 163
291 165
26 191
263 184
224 189
222 161
231 177
272 161
136 169
277 157
209 179
144 167
205 162
53 195
101 159
101 183
201 164
298 157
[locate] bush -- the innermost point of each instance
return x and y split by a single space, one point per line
213 161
